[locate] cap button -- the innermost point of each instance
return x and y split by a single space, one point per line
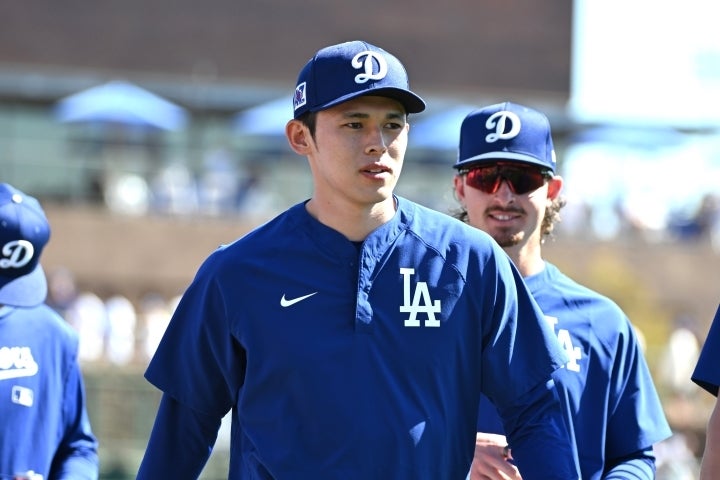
17 198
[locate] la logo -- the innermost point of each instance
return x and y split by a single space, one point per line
421 302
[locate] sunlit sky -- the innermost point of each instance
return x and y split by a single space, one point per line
646 61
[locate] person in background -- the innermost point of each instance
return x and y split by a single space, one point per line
507 186
45 430
707 376
351 336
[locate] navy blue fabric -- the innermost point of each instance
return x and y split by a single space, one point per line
44 425
606 388
344 366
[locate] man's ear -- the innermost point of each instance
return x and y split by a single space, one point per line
459 188
554 186
298 137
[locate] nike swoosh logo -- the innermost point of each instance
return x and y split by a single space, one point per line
284 302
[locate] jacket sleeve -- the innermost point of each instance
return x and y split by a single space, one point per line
180 443
638 466
76 457
517 377
706 373
539 437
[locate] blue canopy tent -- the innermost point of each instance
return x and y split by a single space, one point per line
434 137
265 119
262 128
122 103
116 142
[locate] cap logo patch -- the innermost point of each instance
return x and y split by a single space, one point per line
300 98
17 253
499 122
364 60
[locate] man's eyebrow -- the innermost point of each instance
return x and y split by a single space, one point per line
352 114
390 116
397 115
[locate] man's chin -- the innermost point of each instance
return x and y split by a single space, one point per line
506 241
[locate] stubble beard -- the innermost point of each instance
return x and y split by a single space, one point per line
508 239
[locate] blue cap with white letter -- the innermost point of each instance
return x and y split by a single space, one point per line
342 72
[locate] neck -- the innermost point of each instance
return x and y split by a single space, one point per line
354 221
527 258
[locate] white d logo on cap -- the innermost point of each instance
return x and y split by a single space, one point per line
497 121
18 253
367 64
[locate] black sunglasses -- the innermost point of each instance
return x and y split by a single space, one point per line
520 178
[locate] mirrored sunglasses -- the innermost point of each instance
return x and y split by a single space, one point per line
520 178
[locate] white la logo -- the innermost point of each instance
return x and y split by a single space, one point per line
422 294
497 121
18 253
367 65
563 335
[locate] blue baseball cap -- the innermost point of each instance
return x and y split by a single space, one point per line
342 72
506 132
24 232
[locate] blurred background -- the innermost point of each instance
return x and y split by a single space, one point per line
153 132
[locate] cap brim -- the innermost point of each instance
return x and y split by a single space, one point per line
411 102
27 291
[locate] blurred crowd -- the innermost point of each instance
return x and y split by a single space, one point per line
221 186
629 217
112 330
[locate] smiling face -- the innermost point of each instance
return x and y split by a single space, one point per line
356 155
513 219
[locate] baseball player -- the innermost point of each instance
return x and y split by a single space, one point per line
707 375
351 336
44 427
507 186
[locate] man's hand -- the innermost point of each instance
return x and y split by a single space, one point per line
491 459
